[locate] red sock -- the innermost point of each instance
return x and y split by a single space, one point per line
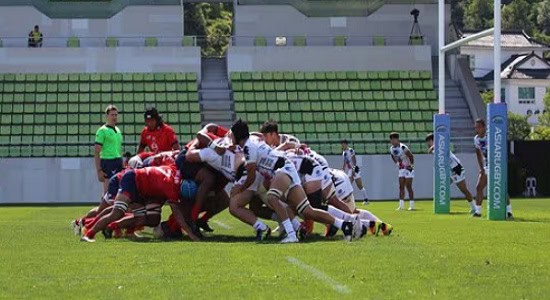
172 223
206 217
90 234
113 226
195 211
91 223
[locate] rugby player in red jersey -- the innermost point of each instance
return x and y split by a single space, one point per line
157 135
159 183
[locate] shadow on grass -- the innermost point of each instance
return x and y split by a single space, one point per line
234 239
527 220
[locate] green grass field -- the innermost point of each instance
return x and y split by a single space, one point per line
427 256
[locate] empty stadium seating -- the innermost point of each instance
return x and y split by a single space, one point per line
323 107
58 114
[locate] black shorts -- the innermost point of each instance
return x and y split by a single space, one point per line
188 170
111 166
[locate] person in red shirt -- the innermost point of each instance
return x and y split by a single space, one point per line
158 183
157 135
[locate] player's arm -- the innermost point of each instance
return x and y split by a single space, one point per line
354 161
99 139
409 154
479 156
431 149
142 143
199 155
181 220
287 146
250 178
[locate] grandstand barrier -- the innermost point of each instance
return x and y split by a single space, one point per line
69 180
104 60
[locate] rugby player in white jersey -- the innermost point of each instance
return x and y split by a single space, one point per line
351 168
480 143
458 174
404 159
271 135
284 185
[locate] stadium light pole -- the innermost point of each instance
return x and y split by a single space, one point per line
442 121
497 119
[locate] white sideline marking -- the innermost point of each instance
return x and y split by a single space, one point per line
340 288
222 225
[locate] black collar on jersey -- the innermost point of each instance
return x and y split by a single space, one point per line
112 127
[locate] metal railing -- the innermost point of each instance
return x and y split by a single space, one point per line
212 41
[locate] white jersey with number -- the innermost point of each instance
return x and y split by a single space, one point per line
481 144
399 154
267 159
348 154
228 164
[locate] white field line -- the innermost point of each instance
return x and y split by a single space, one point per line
222 225
340 288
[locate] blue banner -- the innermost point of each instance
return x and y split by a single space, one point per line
442 172
497 156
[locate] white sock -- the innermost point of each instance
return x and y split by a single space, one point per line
288 227
401 203
472 205
509 208
274 217
411 203
367 215
478 209
364 193
296 223
340 214
259 225
338 223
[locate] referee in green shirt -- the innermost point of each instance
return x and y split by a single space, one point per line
108 148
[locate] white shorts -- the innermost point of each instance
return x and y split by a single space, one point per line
456 178
316 175
255 185
342 185
290 170
404 173
356 175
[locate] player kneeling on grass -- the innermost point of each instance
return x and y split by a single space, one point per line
285 185
458 174
160 183
404 160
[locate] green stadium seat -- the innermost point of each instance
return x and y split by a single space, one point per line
188 41
340 41
151 42
73 42
379 41
111 42
260 41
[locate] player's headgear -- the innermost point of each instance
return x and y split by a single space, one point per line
430 137
135 162
394 135
240 130
269 126
152 113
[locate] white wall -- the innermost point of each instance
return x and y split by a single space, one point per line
484 58
512 85
132 21
392 21
323 58
121 59
64 180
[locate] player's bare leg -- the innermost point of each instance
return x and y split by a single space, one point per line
237 208
359 183
481 184
401 193
464 189
408 184
119 209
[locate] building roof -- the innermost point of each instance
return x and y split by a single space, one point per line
516 68
509 39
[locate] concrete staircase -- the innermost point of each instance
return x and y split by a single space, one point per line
214 93
462 123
